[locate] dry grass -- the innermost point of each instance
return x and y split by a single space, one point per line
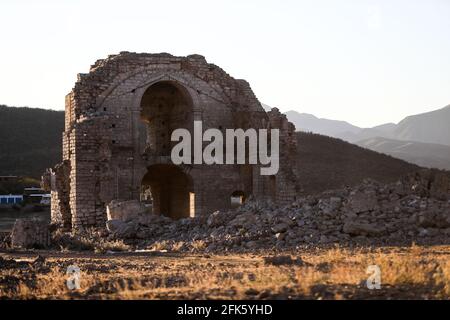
198 245
89 240
337 273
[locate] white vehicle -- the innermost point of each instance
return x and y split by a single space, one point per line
45 200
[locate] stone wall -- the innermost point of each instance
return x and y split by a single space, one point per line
286 182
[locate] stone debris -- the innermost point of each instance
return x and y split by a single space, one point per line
415 209
411 210
362 201
30 233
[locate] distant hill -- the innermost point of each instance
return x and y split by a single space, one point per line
310 123
328 163
30 140
384 130
431 127
425 154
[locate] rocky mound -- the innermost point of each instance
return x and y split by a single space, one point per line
415 209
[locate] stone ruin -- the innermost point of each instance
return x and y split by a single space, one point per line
117 141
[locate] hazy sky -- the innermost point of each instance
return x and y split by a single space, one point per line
364 61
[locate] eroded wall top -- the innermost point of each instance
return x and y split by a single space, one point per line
107 73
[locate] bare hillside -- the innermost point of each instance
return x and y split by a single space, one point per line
328 163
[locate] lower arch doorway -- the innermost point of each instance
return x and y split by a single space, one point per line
170 191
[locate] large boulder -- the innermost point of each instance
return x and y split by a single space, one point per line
121 229
115 225
125 210
30 233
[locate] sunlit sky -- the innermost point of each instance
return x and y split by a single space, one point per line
364 61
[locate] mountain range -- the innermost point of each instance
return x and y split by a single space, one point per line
422 139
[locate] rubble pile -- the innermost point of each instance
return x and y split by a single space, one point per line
416 209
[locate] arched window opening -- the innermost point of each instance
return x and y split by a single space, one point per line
237 199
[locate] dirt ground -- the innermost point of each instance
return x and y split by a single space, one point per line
308 273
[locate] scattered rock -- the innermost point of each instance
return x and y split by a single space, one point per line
282 260
279 228
252 292
215 219
114 225
265 294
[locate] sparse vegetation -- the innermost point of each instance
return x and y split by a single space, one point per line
336 273
198 245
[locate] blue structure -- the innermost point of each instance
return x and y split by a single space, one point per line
10 199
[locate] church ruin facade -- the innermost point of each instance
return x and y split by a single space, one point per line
117 140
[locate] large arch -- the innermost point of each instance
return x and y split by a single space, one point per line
165 107
171 191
